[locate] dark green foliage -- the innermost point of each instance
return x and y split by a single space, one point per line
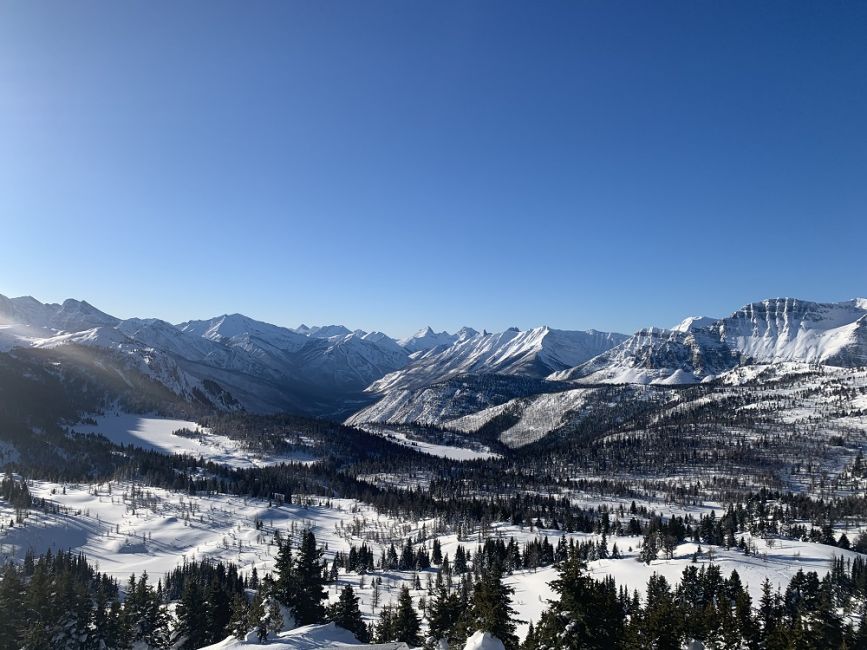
346 614
492 606
406 622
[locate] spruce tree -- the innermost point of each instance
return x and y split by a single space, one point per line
385 626
239 623
445 610
406 621
346 614
492 609
311 582
191 631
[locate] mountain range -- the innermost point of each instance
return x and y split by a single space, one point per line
235 362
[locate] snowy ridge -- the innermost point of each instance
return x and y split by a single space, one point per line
787 329
248 363
534 353
772 331
426 338
691 323
653 356
446 401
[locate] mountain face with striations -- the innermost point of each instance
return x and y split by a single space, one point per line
434 389
771 331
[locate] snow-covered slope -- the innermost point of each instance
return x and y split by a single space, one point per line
426 338
655 355
445 401
691 323
533 353
71 316
309 637
786 329
248 363
772 331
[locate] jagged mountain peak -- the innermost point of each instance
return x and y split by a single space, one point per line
691 323
426 339
536 353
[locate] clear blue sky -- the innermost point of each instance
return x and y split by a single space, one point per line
392 164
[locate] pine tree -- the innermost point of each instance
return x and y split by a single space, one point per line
445 610
257 619
406 621
492 609
587 615
385 626
274 616
12 619
311 583
346 614
191 631
437 554
239 622
285 587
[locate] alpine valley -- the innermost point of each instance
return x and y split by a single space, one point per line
227 483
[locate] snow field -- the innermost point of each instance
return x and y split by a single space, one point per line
157 434
126 529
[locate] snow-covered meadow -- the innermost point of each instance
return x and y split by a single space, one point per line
158 434
128 529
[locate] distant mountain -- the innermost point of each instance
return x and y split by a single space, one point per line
247 363
654 356
787 329
445 401
71 316
771 331
233 361
691 323
324 331
426 339
532 353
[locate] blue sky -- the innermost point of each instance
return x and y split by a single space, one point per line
392 164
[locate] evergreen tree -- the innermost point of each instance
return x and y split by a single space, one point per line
311 582
346 614
239 622
406 621
445 610
385 627
492 609
192 629
586 616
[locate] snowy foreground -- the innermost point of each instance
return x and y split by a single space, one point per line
127 529
331 637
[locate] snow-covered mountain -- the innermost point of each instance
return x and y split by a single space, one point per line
332 370
259 366
324 331
787 329
691 323
533 353
444 401
426 339
771 331
653 356
71 316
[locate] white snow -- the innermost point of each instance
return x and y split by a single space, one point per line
484 641
430 448
510 352
156 433
309 637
